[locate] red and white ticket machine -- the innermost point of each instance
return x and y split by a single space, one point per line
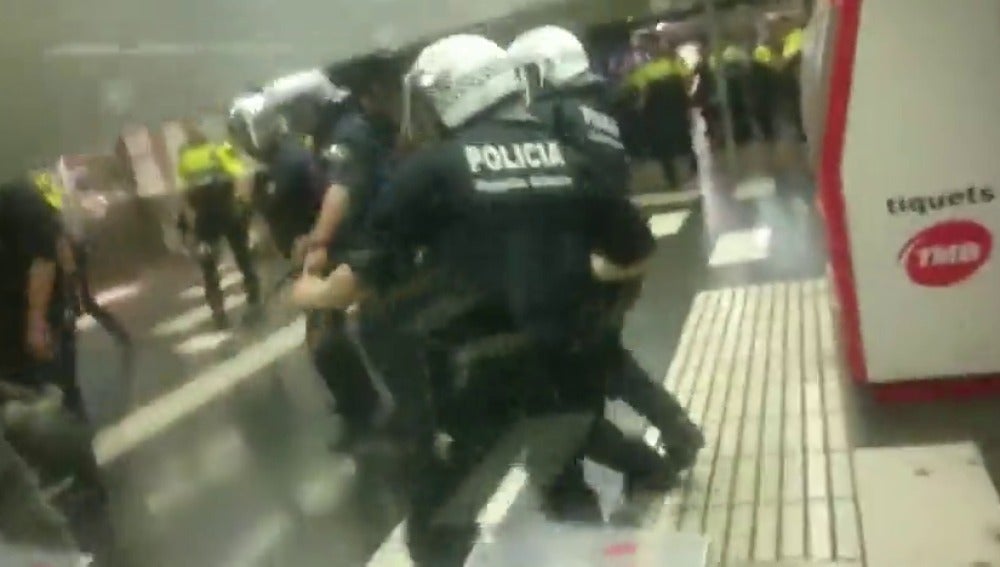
909 184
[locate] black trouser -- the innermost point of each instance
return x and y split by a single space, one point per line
627 380
342 369
224 222
634 386
582 376
763 97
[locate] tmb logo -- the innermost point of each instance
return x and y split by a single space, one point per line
946 253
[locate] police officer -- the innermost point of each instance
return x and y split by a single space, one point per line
496 206
288 189
213 209
575 102
318 199
662 84
571 100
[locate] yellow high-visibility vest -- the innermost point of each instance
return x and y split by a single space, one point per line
201 162
764 55
731 54
792 45
50 189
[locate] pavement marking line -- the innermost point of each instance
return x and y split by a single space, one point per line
668 224
741 246
203 342
107 297
152 419
509 453
117 293
666 198
196 316
495 511
393 551
198 291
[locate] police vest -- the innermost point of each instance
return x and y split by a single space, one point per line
521 231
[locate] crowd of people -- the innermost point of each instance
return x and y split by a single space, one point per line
666 78
464 249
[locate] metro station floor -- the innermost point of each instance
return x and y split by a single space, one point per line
217 451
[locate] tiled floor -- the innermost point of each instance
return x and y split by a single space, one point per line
756 366
223 457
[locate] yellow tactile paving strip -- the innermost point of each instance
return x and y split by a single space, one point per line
757 367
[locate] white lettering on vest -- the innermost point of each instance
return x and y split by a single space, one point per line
533 154
600 121
474 156
513 157
493 159
510 160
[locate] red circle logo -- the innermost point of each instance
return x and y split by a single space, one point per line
946 253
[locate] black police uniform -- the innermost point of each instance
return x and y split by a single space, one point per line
292 192
501 216
581 117
356 158
577 117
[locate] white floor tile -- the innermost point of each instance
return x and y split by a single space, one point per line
741 246
755 188
927 506
668 224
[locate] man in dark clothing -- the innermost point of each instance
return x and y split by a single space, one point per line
30 288
571 100
36 352
498 214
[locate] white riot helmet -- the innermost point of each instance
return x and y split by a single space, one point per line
558 54
313 84
460 76
253 125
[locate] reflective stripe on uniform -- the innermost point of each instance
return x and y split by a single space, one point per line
50 189
792 44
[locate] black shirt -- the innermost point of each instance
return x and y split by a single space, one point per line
29 230
358 159
503 208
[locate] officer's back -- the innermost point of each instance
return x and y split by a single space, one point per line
581 118
571 100
498 203
295 191
508 217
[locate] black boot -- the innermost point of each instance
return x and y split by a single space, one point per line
660 479
683 444
570 499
